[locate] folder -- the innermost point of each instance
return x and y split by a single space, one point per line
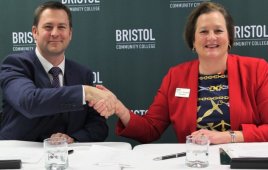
249 163
243 162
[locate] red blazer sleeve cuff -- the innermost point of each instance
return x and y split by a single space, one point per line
252 133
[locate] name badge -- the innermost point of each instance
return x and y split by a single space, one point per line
182 92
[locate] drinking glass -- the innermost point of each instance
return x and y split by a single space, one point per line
56 153
197 150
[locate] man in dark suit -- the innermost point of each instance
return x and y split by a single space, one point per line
32 108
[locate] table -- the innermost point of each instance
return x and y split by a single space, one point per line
139 158
32 152
156 150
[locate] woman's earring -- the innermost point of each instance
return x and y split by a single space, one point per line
193 50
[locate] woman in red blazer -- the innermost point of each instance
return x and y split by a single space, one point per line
221 95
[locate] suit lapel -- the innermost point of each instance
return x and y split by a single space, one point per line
69 80
41 78
69 77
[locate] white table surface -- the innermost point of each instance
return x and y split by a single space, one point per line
35 148
156 150
142 155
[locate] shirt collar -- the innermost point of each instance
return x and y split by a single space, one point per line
46 64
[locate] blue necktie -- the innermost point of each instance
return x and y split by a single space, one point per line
55 71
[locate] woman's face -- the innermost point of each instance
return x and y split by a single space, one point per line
211 36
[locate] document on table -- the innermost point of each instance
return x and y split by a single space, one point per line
26 155
104 156
240 150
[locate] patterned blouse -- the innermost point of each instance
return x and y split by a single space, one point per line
213 102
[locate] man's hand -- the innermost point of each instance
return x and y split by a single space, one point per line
102 100
62 135
120 110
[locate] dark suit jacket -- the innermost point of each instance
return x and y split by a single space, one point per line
33 110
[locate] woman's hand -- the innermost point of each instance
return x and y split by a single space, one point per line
215 137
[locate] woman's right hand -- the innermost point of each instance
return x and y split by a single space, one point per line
120 110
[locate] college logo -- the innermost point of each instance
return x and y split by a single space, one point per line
185 4
22 41
97 79
82 5
251 35
128 39
139 112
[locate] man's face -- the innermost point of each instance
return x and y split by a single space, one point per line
53 33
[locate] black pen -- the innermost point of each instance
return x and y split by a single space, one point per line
170 156
70 151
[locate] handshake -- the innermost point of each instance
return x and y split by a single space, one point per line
104 101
